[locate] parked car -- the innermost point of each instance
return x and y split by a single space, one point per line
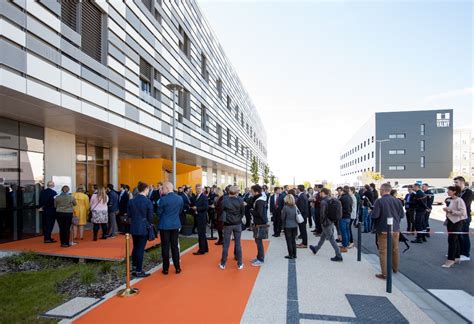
402 190
440 195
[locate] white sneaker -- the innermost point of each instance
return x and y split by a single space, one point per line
257 263
240 267
465 258
222 266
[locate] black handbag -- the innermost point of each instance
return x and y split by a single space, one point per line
152 232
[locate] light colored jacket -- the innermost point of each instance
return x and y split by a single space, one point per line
64 203
457 210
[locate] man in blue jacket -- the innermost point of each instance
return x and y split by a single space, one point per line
170 207
140 211
200 205
46 202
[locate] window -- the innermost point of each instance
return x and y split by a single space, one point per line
396 152
219 88
229 138
399 135
184 43
91 30
242 118
372 139
236 144
396 167
69 14
422 129
204 118
229 102
372 154
184 102
237 112
422 162
204 72
422 145
145 76
219 134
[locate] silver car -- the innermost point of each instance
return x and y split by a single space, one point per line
440 194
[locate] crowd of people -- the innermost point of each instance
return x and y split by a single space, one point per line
293 211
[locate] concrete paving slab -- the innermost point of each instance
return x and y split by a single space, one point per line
459 300
73 307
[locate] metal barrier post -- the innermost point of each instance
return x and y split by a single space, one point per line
128 291
389 254
359 241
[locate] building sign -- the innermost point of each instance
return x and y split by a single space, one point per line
442 119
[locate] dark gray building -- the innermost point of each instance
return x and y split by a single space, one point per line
404 146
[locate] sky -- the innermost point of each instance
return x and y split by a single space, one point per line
317 70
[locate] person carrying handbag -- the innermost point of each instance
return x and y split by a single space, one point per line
260 226
289 216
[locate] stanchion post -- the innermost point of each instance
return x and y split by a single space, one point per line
389 254
359 242
128 291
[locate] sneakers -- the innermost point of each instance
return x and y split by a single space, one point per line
313 249
464 258
351 245
252 261
257 263
240 266
337 259
222 266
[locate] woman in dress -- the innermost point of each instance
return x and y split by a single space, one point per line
81 210
99 211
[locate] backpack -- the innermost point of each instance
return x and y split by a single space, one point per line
334 210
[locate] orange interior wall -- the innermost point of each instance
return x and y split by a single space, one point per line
152 171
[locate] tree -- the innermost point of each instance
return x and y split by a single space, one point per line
254 171
370 176
272 179
307 184
266 173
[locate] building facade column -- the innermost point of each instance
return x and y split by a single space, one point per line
209 176
113 170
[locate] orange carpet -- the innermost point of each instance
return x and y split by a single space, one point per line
109 249
202 293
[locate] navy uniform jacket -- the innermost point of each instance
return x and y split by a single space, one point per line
186 201
302 204
140 210
46 201
429 198
123 202
201 204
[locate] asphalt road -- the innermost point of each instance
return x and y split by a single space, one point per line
422 262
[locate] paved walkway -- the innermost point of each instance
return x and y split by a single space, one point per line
310 289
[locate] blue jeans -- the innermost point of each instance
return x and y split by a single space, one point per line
367 219
139 243
344 228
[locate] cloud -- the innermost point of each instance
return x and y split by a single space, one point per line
451 94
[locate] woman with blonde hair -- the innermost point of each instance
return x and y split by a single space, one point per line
99 211
81 210
290 225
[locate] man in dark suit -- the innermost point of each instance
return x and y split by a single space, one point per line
302 204
275 210
200 205
184 194
155 195
123 202
48 210
140 211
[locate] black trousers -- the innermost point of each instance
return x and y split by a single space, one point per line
290 235
64 222
454 244
48 225
420 223
201 229
139 243
277 222
310 218
317 221
303 232
248 218
410 220
169 239
96 229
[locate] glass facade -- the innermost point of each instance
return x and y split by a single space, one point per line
21 179
92 166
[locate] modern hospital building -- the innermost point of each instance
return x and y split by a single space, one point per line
84 101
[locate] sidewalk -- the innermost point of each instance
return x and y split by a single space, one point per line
310 289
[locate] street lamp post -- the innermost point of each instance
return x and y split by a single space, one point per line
380 153
173 87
